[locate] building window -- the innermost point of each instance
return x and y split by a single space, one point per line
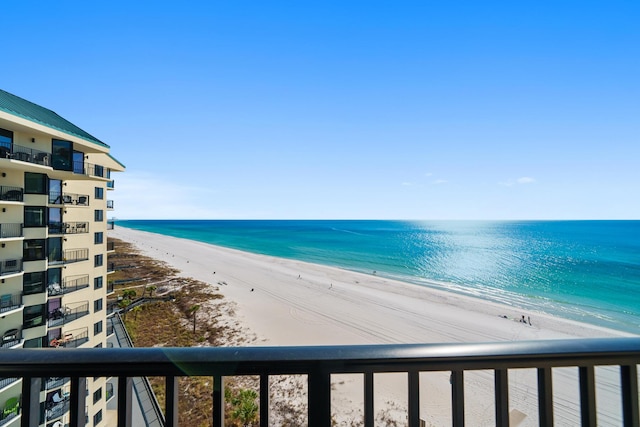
97 260
33 316
61 154
54 245
97 395
34 250
6 139
98 237
33 283
97 328
35 216
78 162
99 193
97 418
55 191
97 305
97 282
98 215
35 183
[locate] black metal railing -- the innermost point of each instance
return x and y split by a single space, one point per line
111 246
70 339
51 383
10 266
31 155
7 381
11 338
75 283
320 363
110 225
10 302
109 204
110 287
75 255
72 199
111 267
11 194
68 313
11 230
75 227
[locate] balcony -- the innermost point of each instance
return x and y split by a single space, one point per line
89 169
11 410
75 227
318 364
70 339
75 255
110 204
110 287
111 246
111 185
25 154
69 285
68 227
111 225
10 302
51 383
56 405
111 267
68 199
11 338
8 231
67 314
11 194
10 266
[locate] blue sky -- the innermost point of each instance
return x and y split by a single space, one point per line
346 109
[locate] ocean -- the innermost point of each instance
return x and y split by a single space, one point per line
587 271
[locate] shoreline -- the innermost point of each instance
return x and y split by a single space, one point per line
287 302
319 279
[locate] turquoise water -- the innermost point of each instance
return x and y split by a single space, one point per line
582 270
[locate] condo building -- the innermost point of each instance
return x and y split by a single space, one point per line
55 179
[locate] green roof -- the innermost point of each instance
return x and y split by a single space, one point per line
28 110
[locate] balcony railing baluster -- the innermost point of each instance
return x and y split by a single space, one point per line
629 391
545 397
501 381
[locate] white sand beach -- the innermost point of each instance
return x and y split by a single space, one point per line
287 302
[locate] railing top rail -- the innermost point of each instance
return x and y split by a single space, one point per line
334 359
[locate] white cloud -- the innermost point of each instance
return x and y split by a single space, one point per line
520 181
526 180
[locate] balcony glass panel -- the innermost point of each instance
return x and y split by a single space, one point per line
55 191
54 247
33 283
34 250
34 315
35 183
34 216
